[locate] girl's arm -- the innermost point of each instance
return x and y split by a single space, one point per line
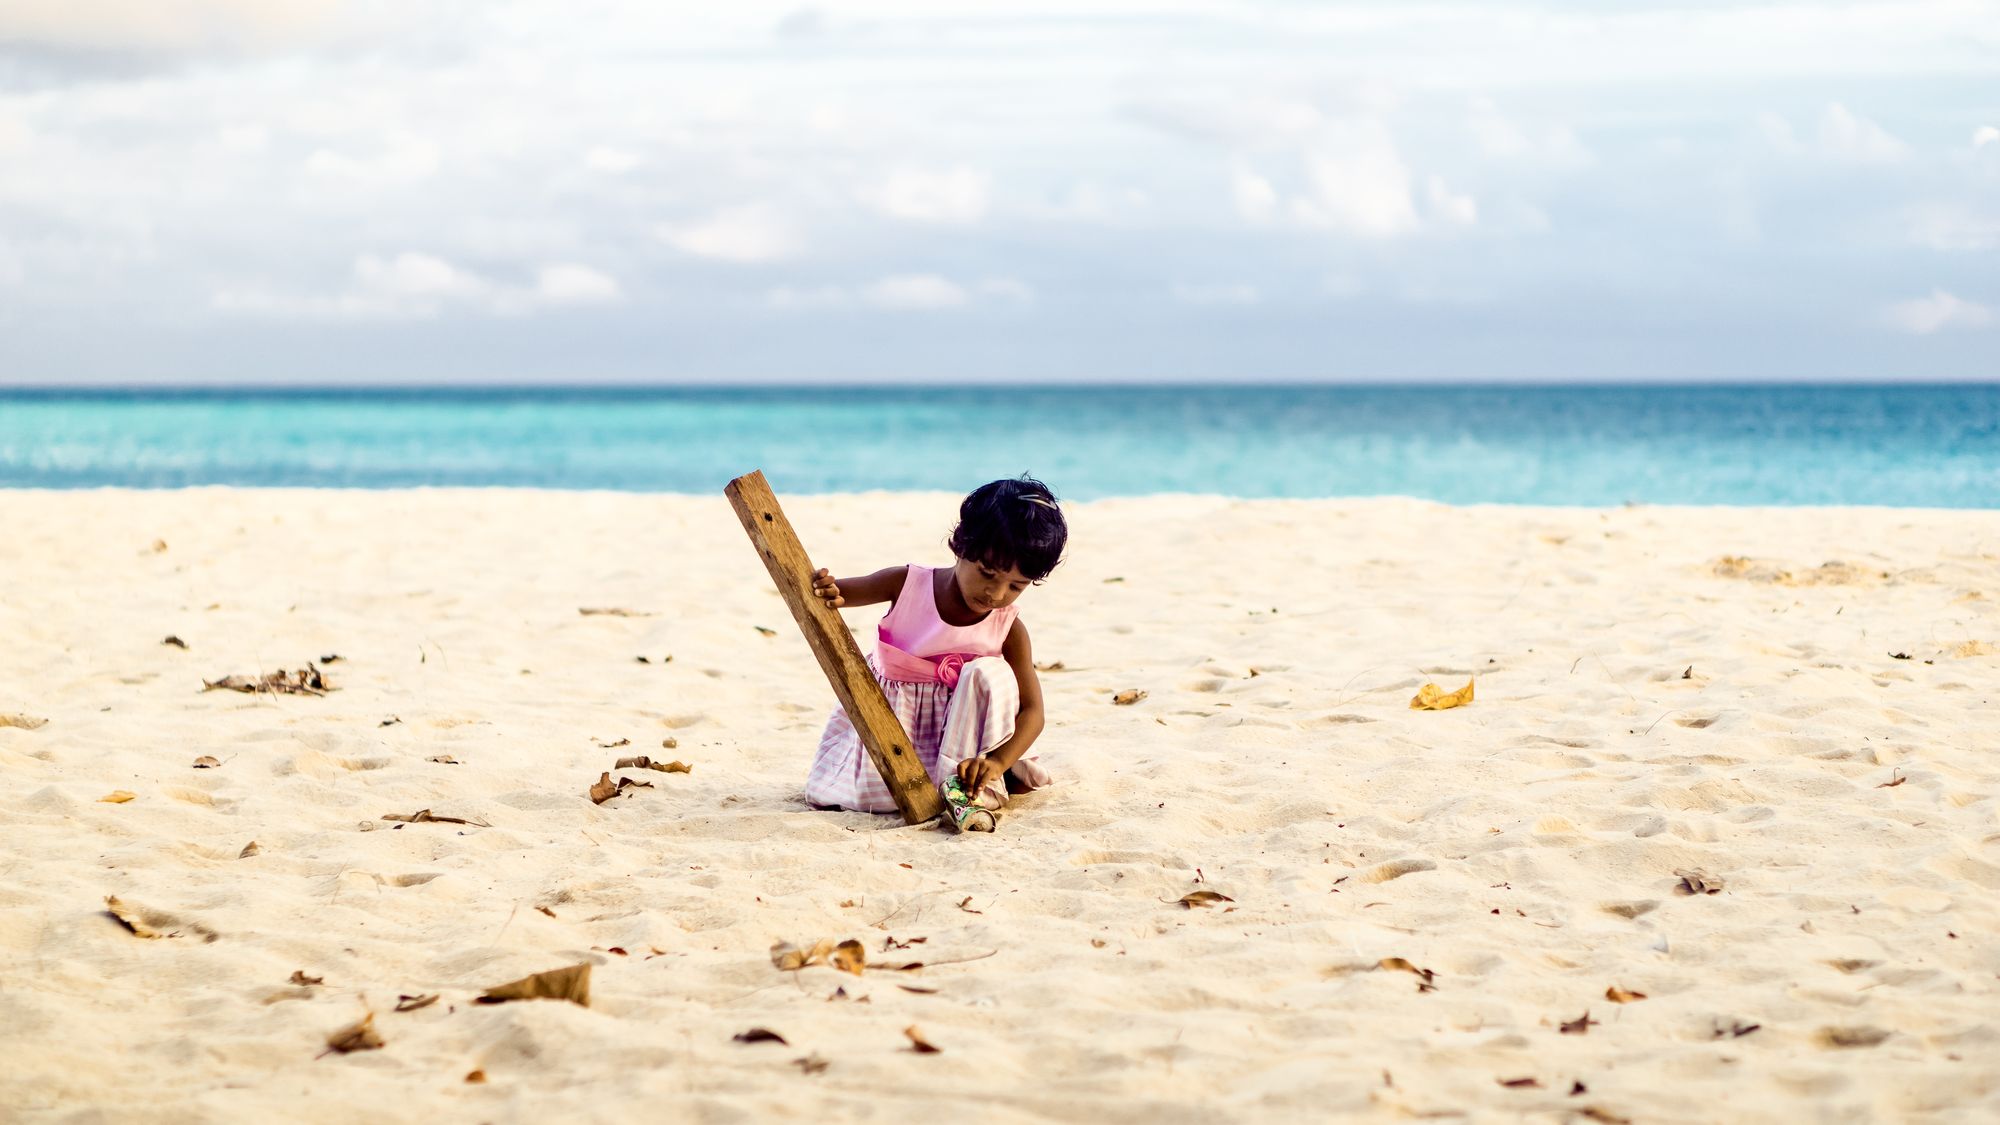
1020 656
869 589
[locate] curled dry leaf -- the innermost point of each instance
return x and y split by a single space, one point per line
1581 1025
426 816
174 641
117 797
1128 697
356 1037
603 789
759 1035
1694 881
671 767
308 680
612 745
637 763
249 850
1737 1029
918 1043
766 632
791 958
1520 1083
1595 1113
475 1077
848 957
407 1003
300 978
330 658
1619 995
572 984
1203 898
1401 965
546 911
1895 779
23 722
1431 697
207 762
153 923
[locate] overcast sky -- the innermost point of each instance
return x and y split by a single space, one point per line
315 191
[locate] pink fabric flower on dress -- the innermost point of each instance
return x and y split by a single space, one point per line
948 667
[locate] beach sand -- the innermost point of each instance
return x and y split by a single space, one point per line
1658 691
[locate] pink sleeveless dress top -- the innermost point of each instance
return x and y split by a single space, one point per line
914 645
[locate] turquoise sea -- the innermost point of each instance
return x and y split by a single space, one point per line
1929 446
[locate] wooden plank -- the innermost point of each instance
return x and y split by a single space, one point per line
839 657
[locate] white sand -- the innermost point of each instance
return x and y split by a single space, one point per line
1522 848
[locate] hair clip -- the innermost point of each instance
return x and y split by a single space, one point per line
1042 500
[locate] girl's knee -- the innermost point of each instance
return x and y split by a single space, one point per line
989 672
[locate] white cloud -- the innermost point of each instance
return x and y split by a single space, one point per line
952 195
1218 293
163 25
1456 208
403 159
904 292
1985 135
746 234
914 291
1844 135
1499 137
1359 185
413 286
1922 316
612 160
1256 199
571 284
1954 229
418 276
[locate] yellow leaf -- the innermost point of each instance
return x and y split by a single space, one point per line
356 1037
1619 995
117 797
572 984
849 957
1430 697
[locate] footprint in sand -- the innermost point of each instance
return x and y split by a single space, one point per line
1396 869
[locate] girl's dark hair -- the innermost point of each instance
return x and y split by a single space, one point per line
1012 523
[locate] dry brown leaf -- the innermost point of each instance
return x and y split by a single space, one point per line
1694 881
207 762
1128 697
308 680
615 611
603 789
1581 1025
759 1035
300 978
426 816
917 989
625 783
117 797
849 957
1203 898
1430 697
546 911
766 632
407 1003
1850 1037
639 763
1402 965
1619 995
443 759
23 722
174 641
153 923
791 958
671 767
612 745
356 1037
249 850
965 904
572 984
1606 1116
1895 779
475 1077
918 1043
1520 1083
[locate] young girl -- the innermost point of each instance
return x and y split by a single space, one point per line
953 656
